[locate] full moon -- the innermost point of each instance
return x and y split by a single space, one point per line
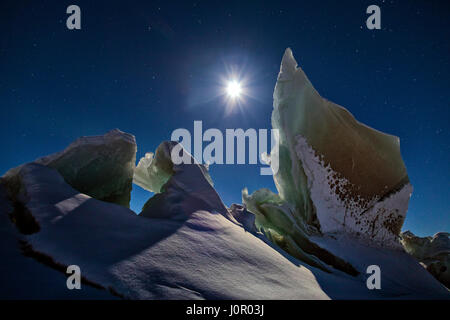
234 89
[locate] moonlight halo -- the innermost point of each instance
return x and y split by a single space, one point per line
234 89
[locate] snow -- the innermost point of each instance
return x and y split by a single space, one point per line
24 278
401 274
200 255
205 255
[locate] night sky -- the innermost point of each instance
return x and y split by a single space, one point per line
150 67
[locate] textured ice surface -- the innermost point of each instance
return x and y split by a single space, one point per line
433 253
99 166
335 174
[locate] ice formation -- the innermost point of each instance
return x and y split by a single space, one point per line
178 187
336 175
99 166
432 252
185 245
277 220
152 173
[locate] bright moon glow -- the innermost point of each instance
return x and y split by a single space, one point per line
234 89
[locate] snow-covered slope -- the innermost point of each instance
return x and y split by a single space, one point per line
401 275
205 256
23 277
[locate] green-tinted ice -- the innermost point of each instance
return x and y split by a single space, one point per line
335 174
99 166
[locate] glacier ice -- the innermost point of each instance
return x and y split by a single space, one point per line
335 175
433 253
99 166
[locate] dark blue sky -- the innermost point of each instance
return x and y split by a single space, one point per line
149 67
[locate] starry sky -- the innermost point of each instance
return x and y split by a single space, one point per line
150 67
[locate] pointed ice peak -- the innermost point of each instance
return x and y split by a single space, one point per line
288 66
